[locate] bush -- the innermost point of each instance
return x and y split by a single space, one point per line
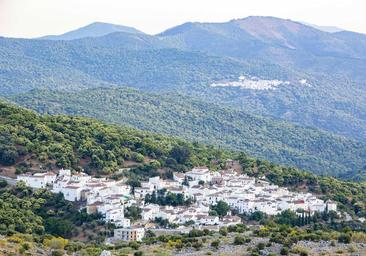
137 157
57 243
3 183
223 231
261 246
57 253
215 244
239 240
26 246
344 238
134 245
197 245
284 251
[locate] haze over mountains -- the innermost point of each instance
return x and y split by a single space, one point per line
92 30
318 76
330 29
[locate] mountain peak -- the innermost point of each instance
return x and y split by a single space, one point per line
95 29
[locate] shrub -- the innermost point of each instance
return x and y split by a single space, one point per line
3 183
134 245
239 240
284 251
344 238
197 245
57 253
223 231
215 244
261 246
57 243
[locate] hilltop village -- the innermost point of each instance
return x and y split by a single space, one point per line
187 199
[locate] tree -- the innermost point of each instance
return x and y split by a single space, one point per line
258 216
8 155
221 208
59 227
181 153
287 217
133 212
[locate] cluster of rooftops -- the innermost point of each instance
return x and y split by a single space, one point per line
204 188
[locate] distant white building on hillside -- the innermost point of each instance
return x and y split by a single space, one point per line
199 174
38 180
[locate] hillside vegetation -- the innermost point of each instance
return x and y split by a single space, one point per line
33 220
195 120
76 142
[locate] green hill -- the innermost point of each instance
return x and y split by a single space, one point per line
77 142
194 120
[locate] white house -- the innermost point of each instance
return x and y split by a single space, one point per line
64 172
72 192
207 220
80 177
38 180
200 174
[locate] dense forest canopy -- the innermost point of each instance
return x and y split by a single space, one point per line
76 142
194 120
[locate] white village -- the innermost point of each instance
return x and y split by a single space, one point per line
200 186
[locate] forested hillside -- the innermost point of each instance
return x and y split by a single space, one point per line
76 142
195 120
36 218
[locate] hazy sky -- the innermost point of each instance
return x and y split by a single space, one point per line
32 18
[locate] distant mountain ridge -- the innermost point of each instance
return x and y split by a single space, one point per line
95 29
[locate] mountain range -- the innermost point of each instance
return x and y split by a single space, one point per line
257 66
94 29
